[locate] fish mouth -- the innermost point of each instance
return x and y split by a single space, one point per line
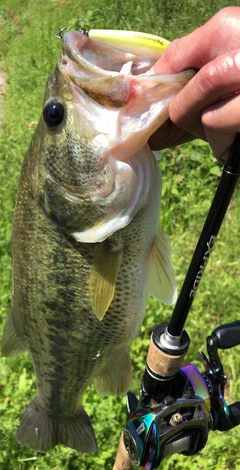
115 103
94 57
100 71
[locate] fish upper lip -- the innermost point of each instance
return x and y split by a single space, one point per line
78 47
79 63
84 52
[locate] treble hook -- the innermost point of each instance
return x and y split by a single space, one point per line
59 34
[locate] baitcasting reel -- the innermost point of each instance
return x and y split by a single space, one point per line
178 420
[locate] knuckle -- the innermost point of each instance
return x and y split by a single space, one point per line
227 17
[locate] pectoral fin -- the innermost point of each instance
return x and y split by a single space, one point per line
161 280
103 278
12 343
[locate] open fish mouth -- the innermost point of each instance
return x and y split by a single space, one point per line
117 79
85 51
115 102
85 59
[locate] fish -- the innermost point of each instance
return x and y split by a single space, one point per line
87 247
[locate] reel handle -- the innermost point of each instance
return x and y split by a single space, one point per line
228 335
225 423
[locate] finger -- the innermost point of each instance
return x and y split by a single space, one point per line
218 36
168 135
220 144
215 80
221 123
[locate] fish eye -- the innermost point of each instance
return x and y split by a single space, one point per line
53 113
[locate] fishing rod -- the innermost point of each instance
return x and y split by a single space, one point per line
178 405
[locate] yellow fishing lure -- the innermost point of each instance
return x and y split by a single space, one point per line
141 44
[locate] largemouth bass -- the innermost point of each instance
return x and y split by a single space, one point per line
86 246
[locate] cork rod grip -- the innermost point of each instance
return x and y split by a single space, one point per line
122 461
161 363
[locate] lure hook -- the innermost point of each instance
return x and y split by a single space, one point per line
59 34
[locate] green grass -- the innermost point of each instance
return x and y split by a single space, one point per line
190 175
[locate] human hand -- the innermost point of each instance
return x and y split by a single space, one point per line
208 107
